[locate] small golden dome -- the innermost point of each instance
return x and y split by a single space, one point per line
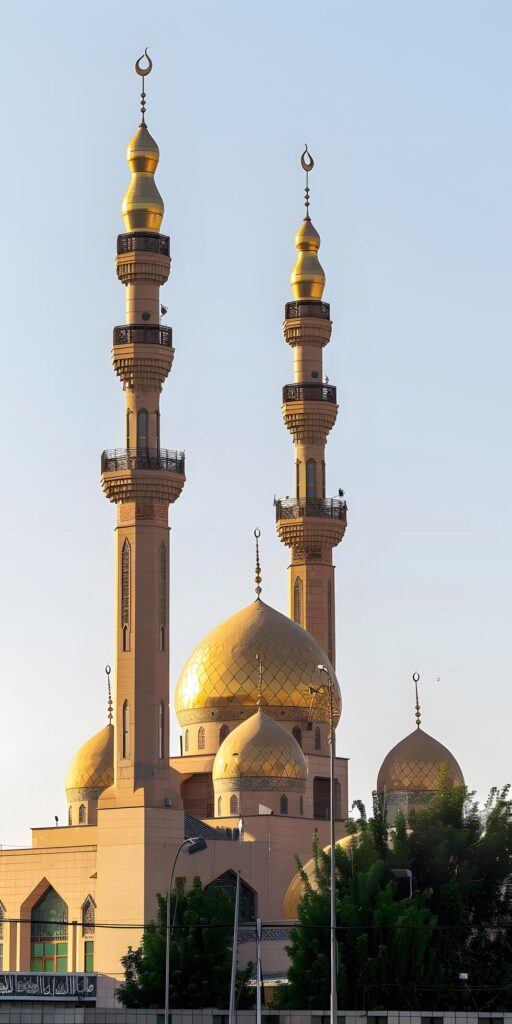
295 889
307 277
143 206
221 678
259 748
92 768
413 765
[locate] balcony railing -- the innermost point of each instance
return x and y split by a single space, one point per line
149 241
309 393
142 458
293 310
139 334
316 508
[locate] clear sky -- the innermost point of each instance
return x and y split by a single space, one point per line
406 107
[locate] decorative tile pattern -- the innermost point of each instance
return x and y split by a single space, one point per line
414 765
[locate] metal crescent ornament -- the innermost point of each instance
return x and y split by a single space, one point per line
307 165
144 71
415 677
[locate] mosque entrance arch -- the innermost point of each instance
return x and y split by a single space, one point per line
248 896
49 934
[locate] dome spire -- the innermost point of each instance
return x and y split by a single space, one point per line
416 679
307 277
143 72
257 578
109 705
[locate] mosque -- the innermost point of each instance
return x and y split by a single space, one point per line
255 700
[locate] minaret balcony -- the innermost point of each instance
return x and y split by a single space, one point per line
309 411
143 241
142 356
311 525
142 474
297 309
307 323
143 256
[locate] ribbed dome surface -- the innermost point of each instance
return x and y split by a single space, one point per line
259 747
222 673
92 768
413 765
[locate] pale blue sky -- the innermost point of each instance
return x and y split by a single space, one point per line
406 107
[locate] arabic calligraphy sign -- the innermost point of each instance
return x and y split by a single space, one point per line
15 985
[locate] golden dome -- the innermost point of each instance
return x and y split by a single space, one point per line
143 206
92 768
295 889
414 764
307 277
221 678
259 748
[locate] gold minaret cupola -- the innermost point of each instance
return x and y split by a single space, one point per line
142 478
310 523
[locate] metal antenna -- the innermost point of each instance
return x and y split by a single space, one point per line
143 72
307 164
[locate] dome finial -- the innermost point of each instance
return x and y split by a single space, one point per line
307 164
257 578
109 705
143 72
416 679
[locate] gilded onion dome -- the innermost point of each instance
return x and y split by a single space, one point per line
143 206
221 679
259 748
92 768
413 765
307 277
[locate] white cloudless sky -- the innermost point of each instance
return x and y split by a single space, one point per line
406 108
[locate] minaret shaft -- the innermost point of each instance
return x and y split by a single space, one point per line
310 524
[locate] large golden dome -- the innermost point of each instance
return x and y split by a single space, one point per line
220 680
295 889
92 768
143 206
259 748
413 765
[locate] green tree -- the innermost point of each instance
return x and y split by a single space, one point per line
200 954
399 951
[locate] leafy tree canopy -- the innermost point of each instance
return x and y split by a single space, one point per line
401 952
200 954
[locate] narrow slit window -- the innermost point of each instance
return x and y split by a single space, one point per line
187 740
297 601
200 739
310 478
161 730
126 729
318 738
142 428
233 804
297 735
283 805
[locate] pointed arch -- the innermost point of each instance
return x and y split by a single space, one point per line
301 805
142 430
126 729
187 740
297 601
297 734
248 895
283 804
88 916
233 804
318 738
126 558
82 815
223 732
311 478
201 737
219 807
49 934
70 815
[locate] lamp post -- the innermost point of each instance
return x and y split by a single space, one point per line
328 687
194 845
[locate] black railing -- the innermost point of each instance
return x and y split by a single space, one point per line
309 393
149 241
304 308
139 334
317 508
142 458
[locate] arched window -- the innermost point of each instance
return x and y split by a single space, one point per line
318 738
200 738
219 807
161 730
297 601
70 815
157 431
323 479
82 815
297 735
142 428
125 593
187 740
162 601
49 935
301 805
224 730
233 804
283 804
126 729
297 479
330 630
88 917
128 429
248 904
310 478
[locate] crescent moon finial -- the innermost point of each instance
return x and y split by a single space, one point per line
144 71
307 164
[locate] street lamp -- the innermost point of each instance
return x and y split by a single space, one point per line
328 687
194 845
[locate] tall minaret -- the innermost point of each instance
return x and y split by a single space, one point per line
310 524
143 479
